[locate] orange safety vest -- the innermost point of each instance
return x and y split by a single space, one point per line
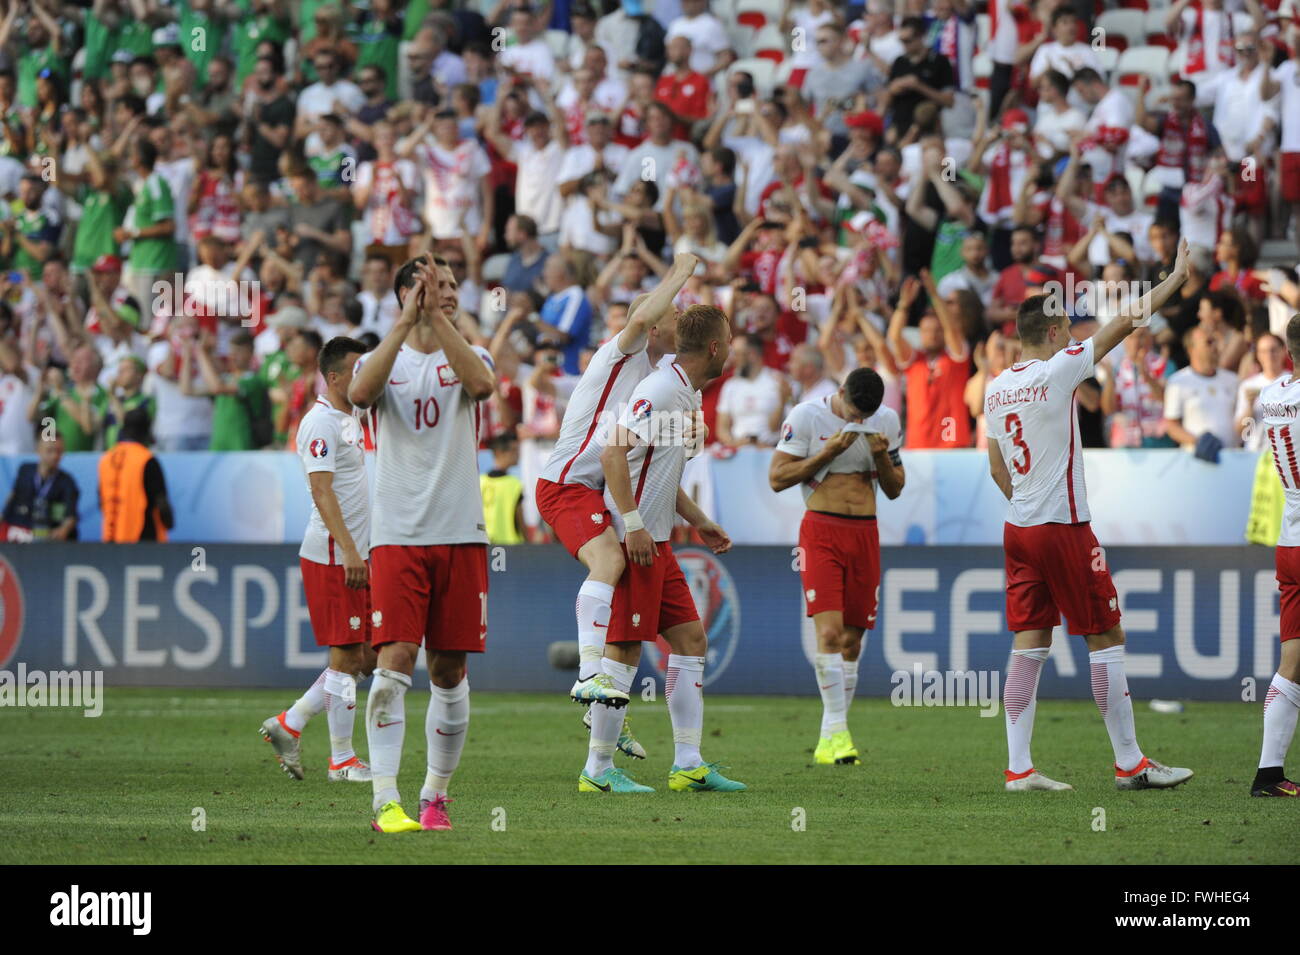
122 499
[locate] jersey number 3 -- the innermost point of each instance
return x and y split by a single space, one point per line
1017 433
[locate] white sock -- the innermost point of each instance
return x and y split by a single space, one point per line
607 722
850 684
684 687
340 713
1019 703
1281 707
386 705
445 726
307 705
1110 690
830 678
592 611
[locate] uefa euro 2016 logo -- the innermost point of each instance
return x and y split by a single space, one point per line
714 593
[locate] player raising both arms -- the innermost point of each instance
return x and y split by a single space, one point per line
334 573
1280 402
428 545
1054 565
642 463
570 490
838 447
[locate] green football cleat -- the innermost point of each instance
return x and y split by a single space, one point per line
846 754
598 689
824 754
393 818
612 780
703 778
627 743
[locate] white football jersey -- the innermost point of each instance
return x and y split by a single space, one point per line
331 440
426 464
811 424
658 413
1030 412
1280 404
599 398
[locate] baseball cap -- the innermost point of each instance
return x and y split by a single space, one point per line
865 119
1015 119
123 56
107 263
596 116
169 35
291 316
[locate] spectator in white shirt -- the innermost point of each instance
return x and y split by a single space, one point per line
1055 118
379 305
539 157
1206 34
1200 399
710 46
331 93
1245 116
529 56
1063 53
752 402
1270 353
458 194
808 371
1104 140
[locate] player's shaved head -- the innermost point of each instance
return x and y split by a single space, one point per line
698 326
1293 338
865 390
1036 315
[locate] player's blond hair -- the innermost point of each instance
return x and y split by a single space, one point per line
699 325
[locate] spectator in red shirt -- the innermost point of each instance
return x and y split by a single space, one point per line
1025 275
762 258
685 92
1236 253
780 332
935 374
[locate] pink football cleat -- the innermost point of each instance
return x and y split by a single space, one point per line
433 813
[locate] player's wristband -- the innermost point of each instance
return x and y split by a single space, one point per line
632 521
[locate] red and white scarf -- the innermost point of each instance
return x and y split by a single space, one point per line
1196 43
1185 147
1005 175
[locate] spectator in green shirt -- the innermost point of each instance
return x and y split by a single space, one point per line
78 405
33 234
42 49
150 226
241 407
278 372
126 395
104 205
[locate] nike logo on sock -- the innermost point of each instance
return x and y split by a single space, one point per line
441 733
383 725
352 706
700 685
602 626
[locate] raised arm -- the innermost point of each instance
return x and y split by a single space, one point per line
369 381
650 309
1139 313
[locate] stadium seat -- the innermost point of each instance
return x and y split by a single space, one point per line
1138 61
1153 27
1133 4
787 74
982 69
750 17
1129 24
762 69
770 44
1109 57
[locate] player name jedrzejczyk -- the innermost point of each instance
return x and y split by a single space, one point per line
77 908
70 688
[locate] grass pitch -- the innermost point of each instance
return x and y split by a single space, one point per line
124 788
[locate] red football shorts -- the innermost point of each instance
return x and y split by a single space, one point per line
1055 569
432 593
339 614
575 512
650 600
1288 581
841 566
1290 164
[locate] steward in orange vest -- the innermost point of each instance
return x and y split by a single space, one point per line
132 490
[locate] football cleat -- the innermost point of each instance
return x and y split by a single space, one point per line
612 780
351 770
1033 780
1149 774
1283 788
393 818
627 743
846 754
703 778
824 754
287 748
598 689
433 813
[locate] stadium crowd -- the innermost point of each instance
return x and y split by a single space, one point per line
198 194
